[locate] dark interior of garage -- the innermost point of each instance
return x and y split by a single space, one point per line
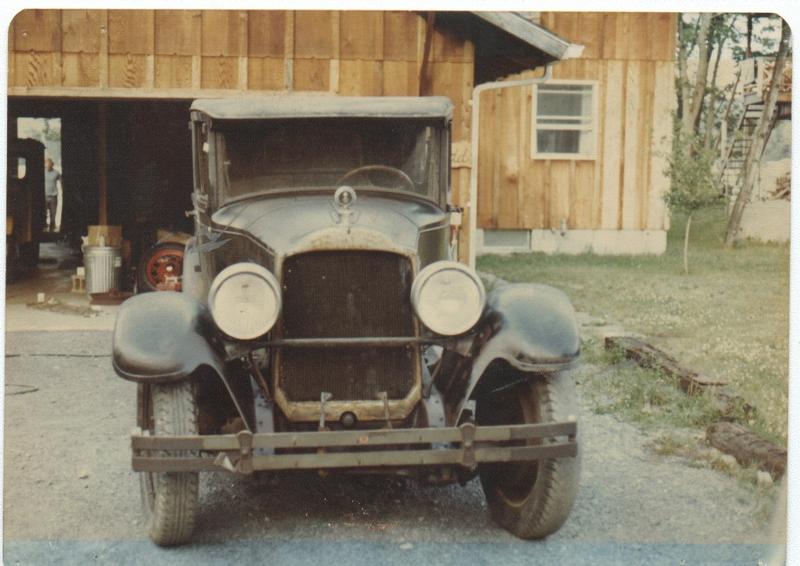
124 162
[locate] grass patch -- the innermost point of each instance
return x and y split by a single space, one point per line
647 397
729 317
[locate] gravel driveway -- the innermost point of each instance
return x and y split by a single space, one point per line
70 495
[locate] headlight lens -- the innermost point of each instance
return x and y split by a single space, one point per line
448 297
245 301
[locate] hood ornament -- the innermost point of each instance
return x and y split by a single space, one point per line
342 213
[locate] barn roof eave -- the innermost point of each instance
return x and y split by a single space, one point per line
549 43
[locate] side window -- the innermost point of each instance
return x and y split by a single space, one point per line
564 121
200 142
17 167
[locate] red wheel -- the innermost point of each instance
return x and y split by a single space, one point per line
161 268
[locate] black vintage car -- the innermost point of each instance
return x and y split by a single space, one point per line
25 205
324 323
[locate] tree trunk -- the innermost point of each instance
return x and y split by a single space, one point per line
759 139
712 98
692 109
683 77
727 113
686 245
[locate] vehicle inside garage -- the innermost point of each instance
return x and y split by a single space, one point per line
124 162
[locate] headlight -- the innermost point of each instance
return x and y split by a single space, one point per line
245 300
448 297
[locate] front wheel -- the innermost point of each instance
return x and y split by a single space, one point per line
169 499
531 499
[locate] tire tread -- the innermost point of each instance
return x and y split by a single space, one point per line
176 494
548 505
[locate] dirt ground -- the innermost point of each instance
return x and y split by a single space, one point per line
70 495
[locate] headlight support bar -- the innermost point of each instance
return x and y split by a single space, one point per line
370 341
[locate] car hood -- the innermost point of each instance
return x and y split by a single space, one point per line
289 224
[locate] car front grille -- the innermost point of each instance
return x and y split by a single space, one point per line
344 294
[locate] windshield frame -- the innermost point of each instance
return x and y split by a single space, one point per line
438 193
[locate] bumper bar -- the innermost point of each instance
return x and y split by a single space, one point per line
466 445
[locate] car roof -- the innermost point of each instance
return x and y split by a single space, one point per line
324 106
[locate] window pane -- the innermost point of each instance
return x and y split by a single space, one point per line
303 153
565 119
565 141
564 100
558 141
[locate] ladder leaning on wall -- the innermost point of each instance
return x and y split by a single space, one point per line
732 169
756 75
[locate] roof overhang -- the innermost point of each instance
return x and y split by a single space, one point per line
552 45
323 106
506 43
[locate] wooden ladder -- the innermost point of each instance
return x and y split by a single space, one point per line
732 170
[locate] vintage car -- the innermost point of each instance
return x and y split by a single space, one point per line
25 205
324 323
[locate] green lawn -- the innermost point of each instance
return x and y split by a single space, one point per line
728 318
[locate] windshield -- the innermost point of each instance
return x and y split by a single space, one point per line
402 155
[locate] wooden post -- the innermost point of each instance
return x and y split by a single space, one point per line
747 447
648 356
430 22
102 56
12 126
102 163
288 52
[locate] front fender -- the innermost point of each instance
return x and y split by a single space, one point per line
162 337
165 336
533 328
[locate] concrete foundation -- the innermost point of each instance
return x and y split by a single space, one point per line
767 221
573 242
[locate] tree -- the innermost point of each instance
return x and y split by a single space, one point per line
692 182
692 93
723 28
759 138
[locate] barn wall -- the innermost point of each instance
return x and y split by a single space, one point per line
185 54
631 58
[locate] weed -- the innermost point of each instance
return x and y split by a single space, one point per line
728 318
593 351
650 398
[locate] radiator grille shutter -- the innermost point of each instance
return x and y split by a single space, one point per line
339 294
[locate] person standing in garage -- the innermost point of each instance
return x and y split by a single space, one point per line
51 179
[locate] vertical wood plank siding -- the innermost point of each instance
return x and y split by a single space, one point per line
631 56
191 53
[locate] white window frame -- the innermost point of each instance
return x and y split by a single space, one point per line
592 127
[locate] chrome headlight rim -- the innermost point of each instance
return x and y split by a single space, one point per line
227 275
430 271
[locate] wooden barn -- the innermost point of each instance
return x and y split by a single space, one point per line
576 163
121 81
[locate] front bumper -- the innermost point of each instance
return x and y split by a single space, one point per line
245 452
